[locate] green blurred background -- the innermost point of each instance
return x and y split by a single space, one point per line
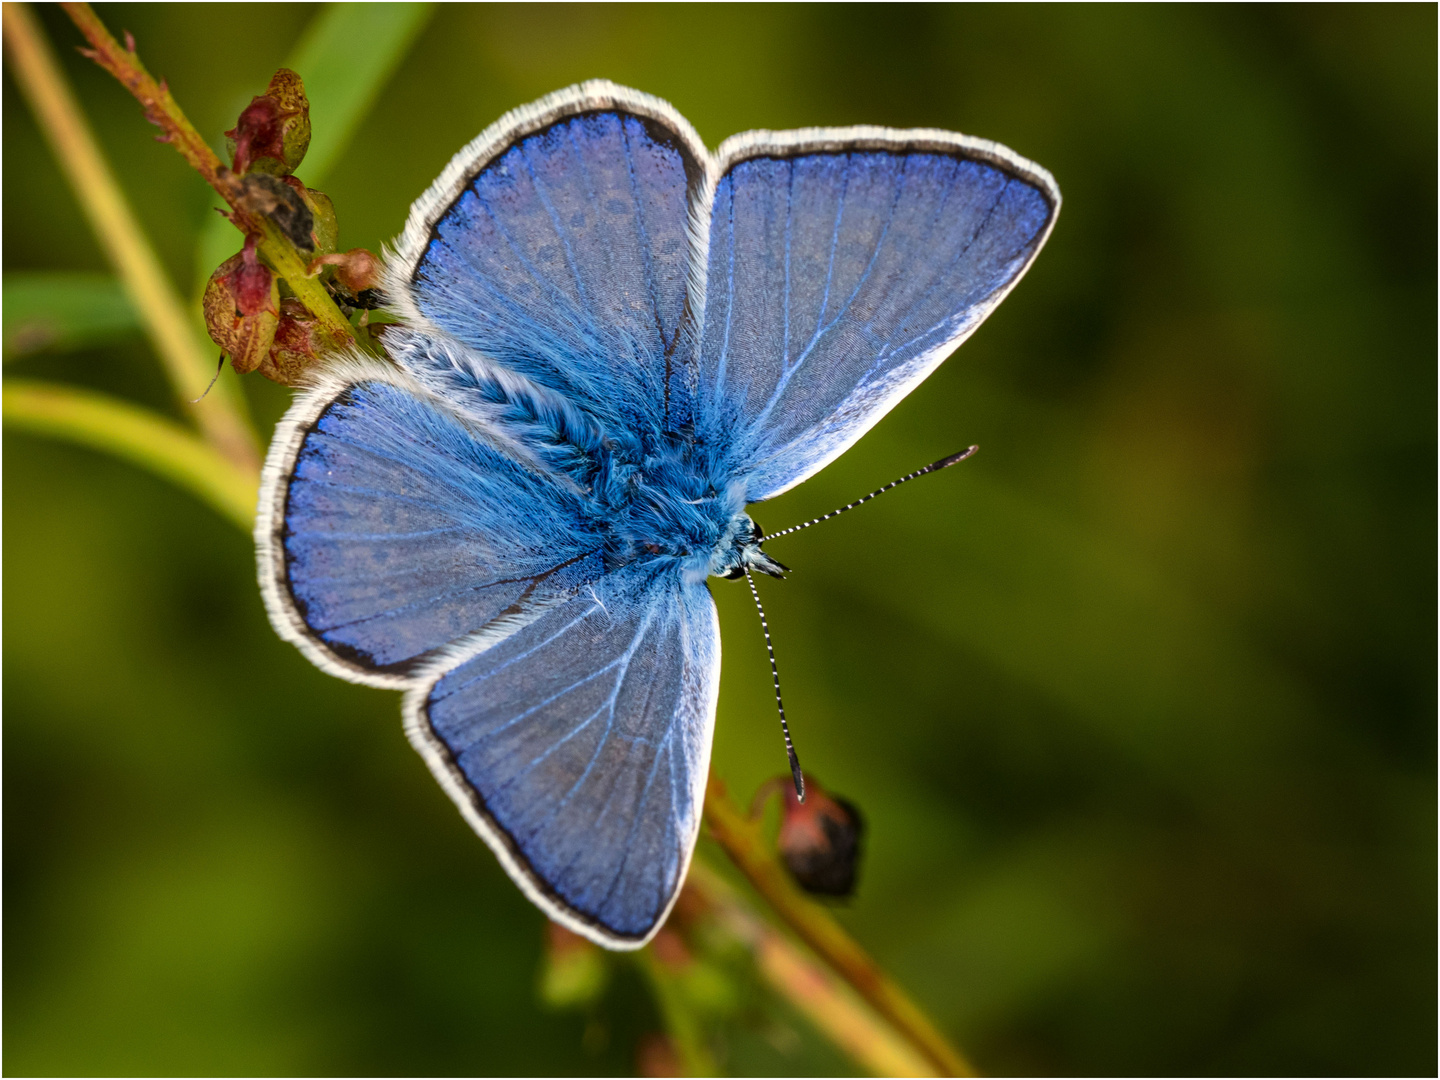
1140 703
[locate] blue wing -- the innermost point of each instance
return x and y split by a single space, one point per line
557 245
392 525
579 746
843 267
442 526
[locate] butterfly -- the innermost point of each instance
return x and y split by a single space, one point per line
611 342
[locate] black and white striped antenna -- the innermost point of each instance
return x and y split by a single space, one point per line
943 463
795 772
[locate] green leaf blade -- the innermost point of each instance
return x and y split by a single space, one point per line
346 57
136 435
63 312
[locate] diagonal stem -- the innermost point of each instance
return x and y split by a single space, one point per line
188 364
162 110
809 985
741 839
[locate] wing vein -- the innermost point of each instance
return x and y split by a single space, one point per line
785 293
514 659
785 377
720 367
560 236
359 537
600 746
830 265
979 229
541 280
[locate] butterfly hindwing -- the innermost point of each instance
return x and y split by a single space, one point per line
392 527
557 245
843 267
578 747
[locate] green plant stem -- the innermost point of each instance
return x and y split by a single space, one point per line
137 435
294 268
741 838
188 364
814 990
162 110
681 1023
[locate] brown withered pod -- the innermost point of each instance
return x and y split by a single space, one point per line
820 839
242 308
273 131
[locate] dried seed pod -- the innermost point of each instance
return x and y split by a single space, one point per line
273 132
299 341
242 309
820 840
269 196
325 227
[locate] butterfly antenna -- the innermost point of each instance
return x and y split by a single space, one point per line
943 463
795 772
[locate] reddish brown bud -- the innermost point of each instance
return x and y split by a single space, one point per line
299 342
242 308
273 131
356 269
820 840
252 283
657 1057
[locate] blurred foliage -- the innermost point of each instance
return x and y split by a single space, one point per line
1139 705
59 312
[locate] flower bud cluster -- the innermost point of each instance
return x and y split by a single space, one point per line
250 312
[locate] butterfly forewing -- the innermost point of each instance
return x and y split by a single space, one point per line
843 267
562 250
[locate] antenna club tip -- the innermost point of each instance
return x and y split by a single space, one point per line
955 459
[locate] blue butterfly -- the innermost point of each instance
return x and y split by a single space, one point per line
613 341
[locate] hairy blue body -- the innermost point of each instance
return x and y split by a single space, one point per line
651 495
